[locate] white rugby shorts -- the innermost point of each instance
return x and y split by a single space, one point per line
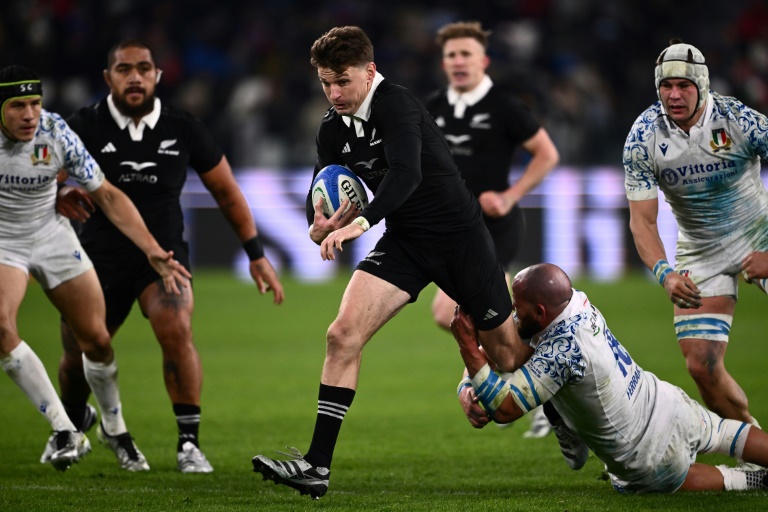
715 265
692 430
52 255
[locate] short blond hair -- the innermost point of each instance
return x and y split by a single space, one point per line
460 29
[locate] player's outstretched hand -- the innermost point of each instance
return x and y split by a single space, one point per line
265 277
322 226
755 266
682 291
74 203
474 413
171 271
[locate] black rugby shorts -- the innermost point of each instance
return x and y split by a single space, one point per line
507 233
123 278
464 266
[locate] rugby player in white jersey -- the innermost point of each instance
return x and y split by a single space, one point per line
703 151
34 239
645 430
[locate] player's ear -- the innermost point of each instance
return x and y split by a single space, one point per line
106 78
159 74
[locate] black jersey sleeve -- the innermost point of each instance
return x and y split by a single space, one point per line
205 152
74 121
520 123
399 120
80 122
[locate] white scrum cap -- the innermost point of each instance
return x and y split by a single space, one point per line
684 61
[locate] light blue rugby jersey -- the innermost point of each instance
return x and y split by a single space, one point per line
709 176
28 174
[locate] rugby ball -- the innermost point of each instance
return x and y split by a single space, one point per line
334 184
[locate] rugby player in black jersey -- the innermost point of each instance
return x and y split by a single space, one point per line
435 233
145 147
484 125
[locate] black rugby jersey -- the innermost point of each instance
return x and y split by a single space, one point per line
151 171
484 140
405 161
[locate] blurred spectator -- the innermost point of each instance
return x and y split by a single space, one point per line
581 65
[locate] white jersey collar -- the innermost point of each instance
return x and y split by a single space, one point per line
473 96
364 112
135 131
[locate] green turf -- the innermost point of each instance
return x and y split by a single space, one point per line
405 444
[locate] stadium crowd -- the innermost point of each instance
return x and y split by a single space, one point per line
244 68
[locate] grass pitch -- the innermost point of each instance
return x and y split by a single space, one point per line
405 444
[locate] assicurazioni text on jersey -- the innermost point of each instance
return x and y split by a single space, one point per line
709 176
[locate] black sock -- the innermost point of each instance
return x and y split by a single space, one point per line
188 421
76 413
332 405
552 415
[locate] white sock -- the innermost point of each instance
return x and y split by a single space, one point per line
755 423
733 480
103 381
25 369
736 480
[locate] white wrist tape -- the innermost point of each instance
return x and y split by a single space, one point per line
465 383
661 270
362 222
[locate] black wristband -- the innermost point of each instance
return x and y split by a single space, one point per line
253 248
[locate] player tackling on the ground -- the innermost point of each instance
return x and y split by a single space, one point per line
646 431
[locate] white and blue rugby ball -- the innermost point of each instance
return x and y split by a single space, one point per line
334 184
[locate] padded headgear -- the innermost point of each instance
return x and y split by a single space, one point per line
17 82
683 61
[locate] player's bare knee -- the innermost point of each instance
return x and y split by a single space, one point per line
341 339
9 337
704 366
173 334
177 346
97 346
